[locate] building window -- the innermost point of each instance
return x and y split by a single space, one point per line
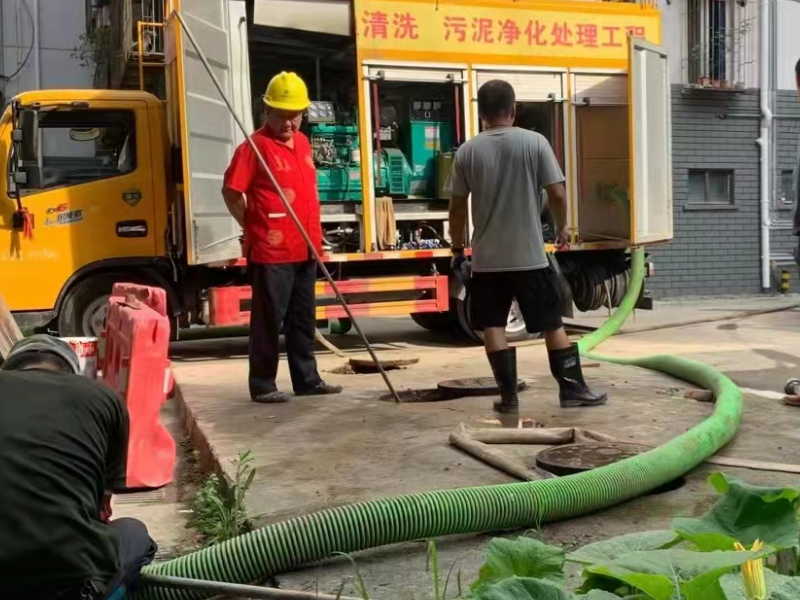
786 192
718 43
710 189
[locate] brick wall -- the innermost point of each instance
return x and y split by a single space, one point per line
714 251
787 143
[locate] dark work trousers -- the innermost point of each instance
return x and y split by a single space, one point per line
136 549
283 300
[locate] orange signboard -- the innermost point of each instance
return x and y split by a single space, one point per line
500 30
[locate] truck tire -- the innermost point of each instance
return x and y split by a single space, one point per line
435 321
83 312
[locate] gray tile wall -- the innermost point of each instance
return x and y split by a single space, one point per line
714 251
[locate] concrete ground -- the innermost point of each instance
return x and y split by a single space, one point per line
317 452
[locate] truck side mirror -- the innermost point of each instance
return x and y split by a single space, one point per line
29 147
27 171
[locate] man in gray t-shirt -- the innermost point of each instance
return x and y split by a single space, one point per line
505 169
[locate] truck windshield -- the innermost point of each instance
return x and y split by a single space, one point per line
84 145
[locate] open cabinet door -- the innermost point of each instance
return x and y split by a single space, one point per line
208 133
651 144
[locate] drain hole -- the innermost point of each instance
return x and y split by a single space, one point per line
417 396
452 389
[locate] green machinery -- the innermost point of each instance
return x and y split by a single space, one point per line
427 139
410 171
337 158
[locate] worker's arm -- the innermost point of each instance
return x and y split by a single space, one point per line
238 178
236 203
459 192
552 180
117 450
557 202
458 221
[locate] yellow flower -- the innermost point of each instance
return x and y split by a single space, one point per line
753 573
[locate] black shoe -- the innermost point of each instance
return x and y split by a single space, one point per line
565 365
271 397
504 367
321 389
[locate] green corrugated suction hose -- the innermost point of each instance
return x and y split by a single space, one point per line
301 540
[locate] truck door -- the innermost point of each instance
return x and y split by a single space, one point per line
651 143
92 198
206 132
540 95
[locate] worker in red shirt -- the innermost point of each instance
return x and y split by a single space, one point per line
281 268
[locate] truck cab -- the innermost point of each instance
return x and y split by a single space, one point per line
87 170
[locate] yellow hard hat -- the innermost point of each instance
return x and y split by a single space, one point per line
286 91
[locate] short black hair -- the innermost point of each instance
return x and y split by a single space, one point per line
496 99
34 359
797 68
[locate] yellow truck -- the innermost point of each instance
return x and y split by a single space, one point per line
109 185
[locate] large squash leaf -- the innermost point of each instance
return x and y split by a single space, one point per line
528 588
744 513
664 574
606 550
523 557
523 588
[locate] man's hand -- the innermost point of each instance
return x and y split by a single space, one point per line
105 508
457 260
562 239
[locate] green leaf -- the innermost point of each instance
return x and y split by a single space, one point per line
779 587
658 587
744 513
597 595
662 573
522 557
610 549
524 588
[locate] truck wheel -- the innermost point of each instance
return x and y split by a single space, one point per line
515 326
83 312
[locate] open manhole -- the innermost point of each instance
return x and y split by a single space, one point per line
452 389
576 458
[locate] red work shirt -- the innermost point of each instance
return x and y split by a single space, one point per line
270 234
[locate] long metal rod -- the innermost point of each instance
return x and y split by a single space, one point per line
287 206
233 589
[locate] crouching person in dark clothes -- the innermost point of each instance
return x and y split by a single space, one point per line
505 169
63 443
282 271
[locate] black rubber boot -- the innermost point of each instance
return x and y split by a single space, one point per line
504 367
565 365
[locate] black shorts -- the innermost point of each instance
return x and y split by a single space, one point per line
537 293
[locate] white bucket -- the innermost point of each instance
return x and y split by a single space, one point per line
86 349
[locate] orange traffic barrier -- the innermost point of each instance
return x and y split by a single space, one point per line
136 365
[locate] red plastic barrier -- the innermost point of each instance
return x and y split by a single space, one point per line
136 365
154 297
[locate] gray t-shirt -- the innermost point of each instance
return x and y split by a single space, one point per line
505 170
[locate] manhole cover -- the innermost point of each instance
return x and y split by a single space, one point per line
574 458
473 386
